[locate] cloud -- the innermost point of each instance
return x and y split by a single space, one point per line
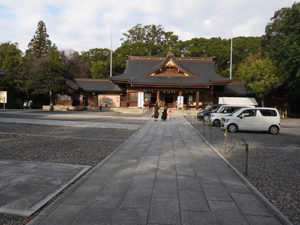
81 25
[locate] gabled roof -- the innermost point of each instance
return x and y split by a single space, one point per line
192 71
93 85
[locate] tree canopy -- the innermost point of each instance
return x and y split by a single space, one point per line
281 43
259 75
40 44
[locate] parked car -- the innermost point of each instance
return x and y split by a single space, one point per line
253 119
224 110
204 115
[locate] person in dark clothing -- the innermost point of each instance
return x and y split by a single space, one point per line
156 113
164 114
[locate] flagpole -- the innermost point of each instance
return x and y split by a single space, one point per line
110 66
230 69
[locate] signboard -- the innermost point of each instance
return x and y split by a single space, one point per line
141 99
180 102
109 100
3 97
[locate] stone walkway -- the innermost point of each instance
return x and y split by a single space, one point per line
164 175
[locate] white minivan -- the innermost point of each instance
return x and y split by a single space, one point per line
253 119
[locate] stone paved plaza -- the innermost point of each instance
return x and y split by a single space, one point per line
165 174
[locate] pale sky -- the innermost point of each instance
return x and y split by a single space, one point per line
81 25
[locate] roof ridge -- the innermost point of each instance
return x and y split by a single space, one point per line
92 79
151 58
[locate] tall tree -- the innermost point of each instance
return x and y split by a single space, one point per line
10 59
259 75
40 44
49 77
282 43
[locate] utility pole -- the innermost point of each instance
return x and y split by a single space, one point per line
110 66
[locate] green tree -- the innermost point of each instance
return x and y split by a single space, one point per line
49 77
281 43
259 75
95 55
100 69
150 34
40 44
10 59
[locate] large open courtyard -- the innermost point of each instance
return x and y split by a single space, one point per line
164 174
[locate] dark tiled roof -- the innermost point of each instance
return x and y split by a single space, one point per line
202 70
236 89
91 84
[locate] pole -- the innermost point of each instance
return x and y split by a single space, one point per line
110 66
225 140
247 155
230 70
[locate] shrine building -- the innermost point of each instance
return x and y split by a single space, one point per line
164 80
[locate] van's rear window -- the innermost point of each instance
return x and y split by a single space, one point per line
268 112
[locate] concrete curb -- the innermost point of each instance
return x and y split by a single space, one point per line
264 200
47 211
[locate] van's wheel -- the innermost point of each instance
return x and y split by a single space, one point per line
206 118
232 128
217 123
274 130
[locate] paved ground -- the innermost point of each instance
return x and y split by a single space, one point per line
165 174
27 186
274 162
53 142
69 123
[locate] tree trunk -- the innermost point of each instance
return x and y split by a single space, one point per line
51 101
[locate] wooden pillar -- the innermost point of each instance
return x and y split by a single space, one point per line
180 93
212 94
197 100
157 96
127 98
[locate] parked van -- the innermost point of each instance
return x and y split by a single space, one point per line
253 119
224 110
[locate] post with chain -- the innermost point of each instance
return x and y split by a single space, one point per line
247 154
225 139
211 131
203 123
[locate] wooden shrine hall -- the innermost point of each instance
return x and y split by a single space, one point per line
176 82
162 80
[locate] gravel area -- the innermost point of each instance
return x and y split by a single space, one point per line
274 162
56 144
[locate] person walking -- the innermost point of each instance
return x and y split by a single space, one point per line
164 114
156 113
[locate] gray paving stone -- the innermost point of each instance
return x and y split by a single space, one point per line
227 213
197 218
185 170
164 211
188 183
215 192
165 189
250 205
59 215
84 195
130 216
262 220
27 186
